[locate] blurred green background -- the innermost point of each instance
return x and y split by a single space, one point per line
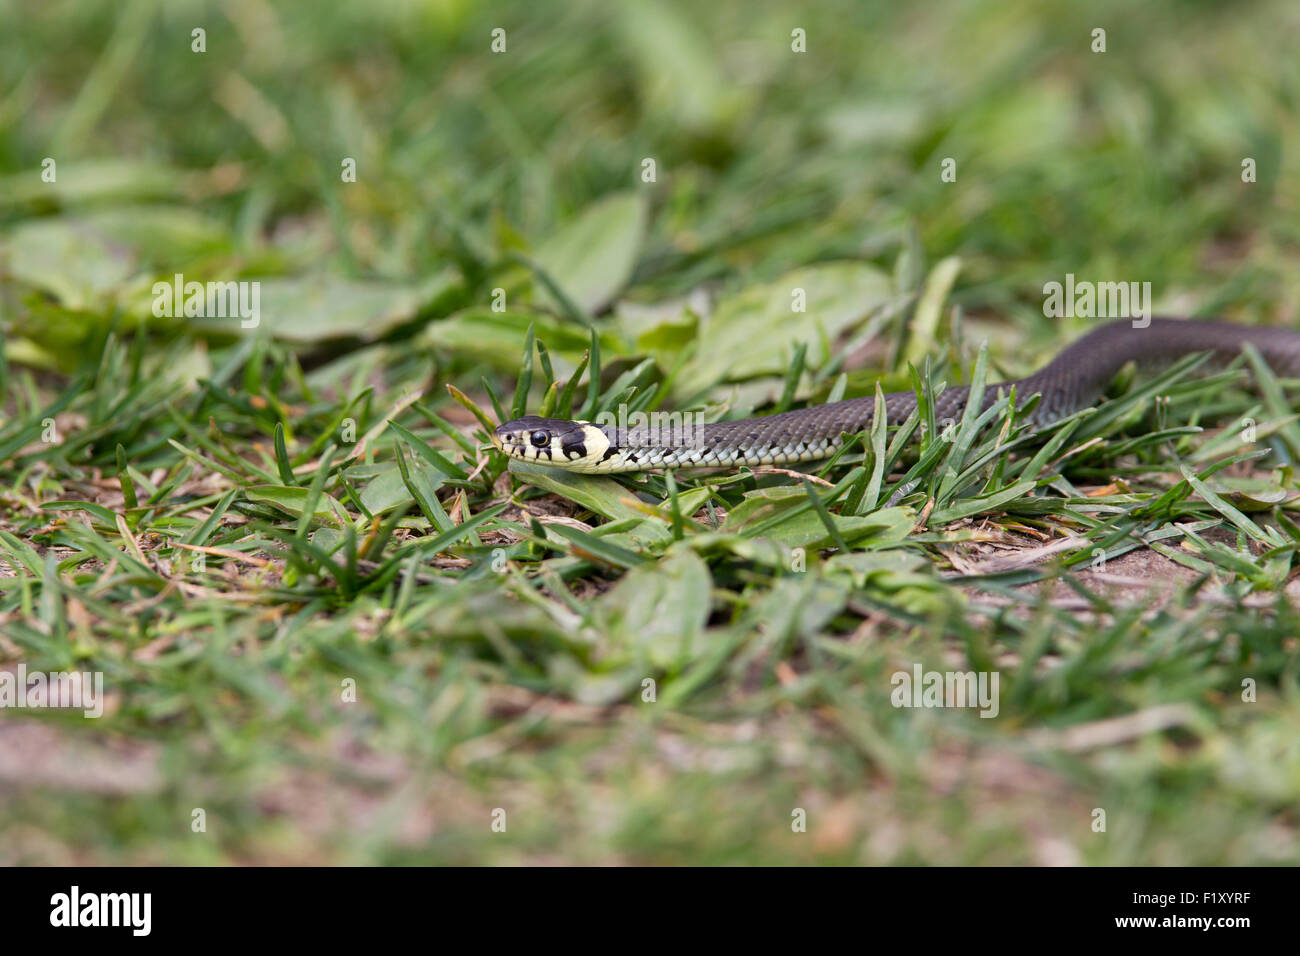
1119 163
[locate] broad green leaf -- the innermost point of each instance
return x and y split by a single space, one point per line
161 235
96 181
77 263
294 500
658 610
498 337
592 257
604 496
385 492
682 82
895 577
658 329
315 308
783 514
756 331
800 604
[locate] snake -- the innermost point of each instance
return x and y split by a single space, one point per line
1073 380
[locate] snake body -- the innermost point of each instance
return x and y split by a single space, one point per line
1073 380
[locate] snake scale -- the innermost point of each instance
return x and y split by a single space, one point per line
1073 380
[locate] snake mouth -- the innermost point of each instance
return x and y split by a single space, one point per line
520 452
512 447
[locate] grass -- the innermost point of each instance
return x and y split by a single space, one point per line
331 617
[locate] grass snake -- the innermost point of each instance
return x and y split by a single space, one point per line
1073 380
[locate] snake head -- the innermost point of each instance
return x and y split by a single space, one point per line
551 440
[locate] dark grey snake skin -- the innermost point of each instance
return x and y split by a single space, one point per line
1074 379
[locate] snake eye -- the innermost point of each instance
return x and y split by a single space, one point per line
540 439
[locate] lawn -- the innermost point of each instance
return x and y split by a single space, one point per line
334 625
